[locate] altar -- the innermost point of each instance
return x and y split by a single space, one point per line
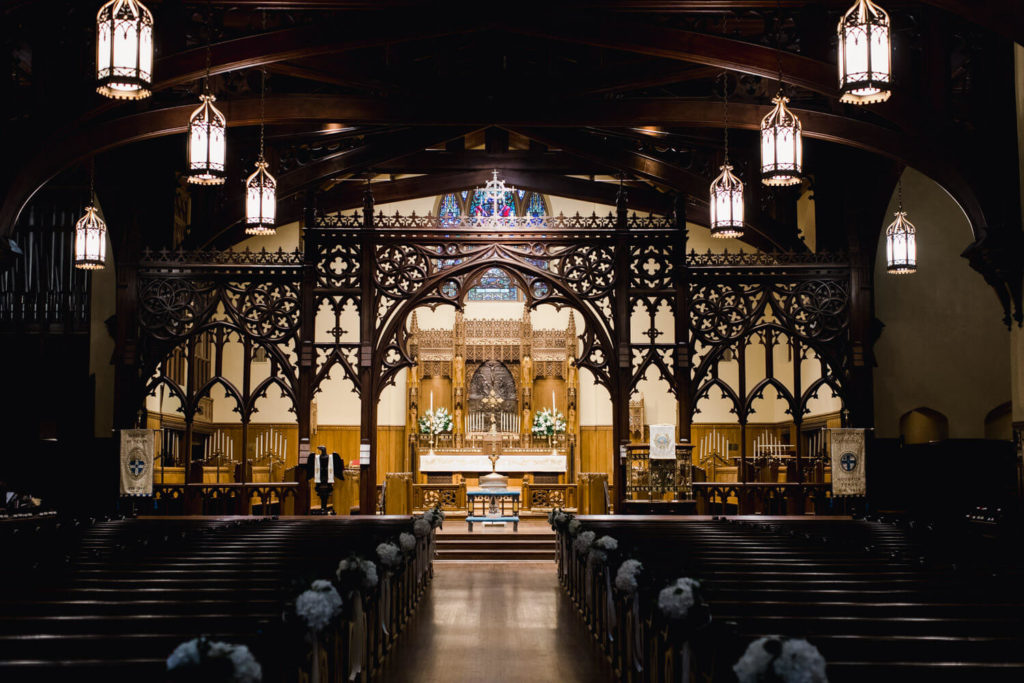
463 462
491 380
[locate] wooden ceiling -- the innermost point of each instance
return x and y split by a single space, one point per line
561 97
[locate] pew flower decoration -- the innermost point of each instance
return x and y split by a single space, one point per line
558 519
626 579
601 547
213 660
390 555
421 527
574 527
548 423
437 421
584 540
407 542
676 599
777 658
319 605
355 573
435 516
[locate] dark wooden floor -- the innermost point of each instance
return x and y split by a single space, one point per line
496 622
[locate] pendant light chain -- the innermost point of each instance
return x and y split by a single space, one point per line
209 41
778 40
263 93
92 180
725 107
899 193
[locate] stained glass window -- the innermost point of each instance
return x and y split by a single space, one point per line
481 207
449 211
494 285
536 206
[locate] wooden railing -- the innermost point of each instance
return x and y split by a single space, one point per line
448 496
756 498
548 496
268 498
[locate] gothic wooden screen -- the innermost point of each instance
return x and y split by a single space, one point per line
386 266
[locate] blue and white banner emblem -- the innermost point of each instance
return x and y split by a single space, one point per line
663 442
137 446
848 477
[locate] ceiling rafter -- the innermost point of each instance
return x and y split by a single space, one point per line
346 162
60 152
651 168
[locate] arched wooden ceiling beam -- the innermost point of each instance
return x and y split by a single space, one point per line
308 176
317 38
76 145
645 166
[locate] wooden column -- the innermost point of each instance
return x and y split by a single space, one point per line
798 414
623 372
367 362
307 330
684 394
247 443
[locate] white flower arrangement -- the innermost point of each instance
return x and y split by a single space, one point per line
200 653
389 554
626 578
435 516
574 526
547 422
583 541
558 518
421 527
676 599
437 421
789 660
319 605
365 569
601 547
407 542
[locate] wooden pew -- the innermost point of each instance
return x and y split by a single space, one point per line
858 590
136 588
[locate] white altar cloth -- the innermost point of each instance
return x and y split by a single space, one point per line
480 463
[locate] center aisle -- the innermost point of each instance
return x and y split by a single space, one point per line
496 622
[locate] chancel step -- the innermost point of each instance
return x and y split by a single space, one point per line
496 546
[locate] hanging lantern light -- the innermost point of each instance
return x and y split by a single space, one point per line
726 205
90 240
260 201
901 242
260 187
207 146
865 49
207 141
124 50
782 147
91 232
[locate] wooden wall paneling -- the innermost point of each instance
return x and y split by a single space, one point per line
597 449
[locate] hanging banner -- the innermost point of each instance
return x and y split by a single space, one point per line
137 446
848 477
663 442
